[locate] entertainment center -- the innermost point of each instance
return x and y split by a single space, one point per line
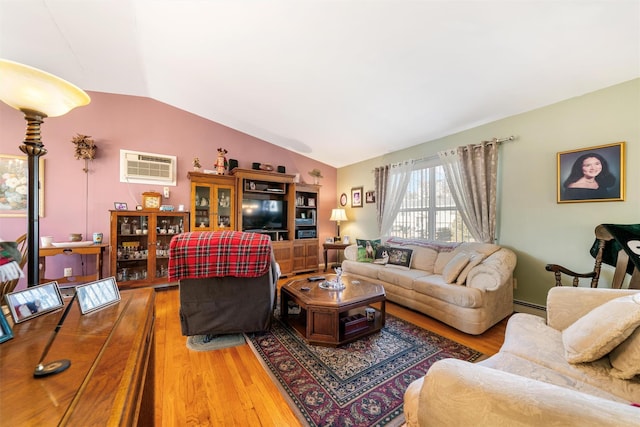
264 202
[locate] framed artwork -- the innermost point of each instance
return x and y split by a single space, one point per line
14 183
356 197
34 301
122 206
370 197
96 295
592 174
343 199
5 330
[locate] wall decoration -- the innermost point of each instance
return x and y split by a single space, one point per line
34 301
343 199
593 174
356 197
85 149
14 185
370 197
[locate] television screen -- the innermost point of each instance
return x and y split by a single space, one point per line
263 214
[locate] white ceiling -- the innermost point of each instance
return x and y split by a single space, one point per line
339 81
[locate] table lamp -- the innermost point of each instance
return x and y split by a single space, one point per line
37 94
338 215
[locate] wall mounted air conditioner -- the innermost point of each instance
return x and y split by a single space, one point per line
147 168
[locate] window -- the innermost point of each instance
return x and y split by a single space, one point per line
429 211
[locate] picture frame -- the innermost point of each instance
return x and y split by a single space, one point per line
311 203
356 197
370 197
97 295
343 199
34 301
121 206
5 330
591 174
14 176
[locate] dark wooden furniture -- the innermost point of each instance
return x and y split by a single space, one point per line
110 380
603 236
140 245
332 246
93 249
329 317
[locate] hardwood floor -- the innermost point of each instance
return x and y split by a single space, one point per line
229 387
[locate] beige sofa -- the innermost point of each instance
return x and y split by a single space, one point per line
472 298
530 381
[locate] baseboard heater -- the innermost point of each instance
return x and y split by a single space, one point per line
527 307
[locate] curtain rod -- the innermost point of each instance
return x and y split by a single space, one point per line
435 156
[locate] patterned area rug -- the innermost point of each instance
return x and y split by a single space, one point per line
359 384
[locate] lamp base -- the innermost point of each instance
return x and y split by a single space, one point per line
51 368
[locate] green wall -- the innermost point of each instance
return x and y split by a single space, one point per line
530 221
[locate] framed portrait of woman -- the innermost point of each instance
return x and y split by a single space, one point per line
592 174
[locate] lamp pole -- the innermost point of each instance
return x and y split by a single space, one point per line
33 148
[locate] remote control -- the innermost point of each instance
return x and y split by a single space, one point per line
315 278
304 288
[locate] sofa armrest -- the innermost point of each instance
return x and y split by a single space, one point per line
457 393
567 304
495 271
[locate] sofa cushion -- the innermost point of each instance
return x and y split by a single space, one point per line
461 296
474 259
400 277
529 337
484 248
602 329
454 267
625 358
399 257
366 269
367 249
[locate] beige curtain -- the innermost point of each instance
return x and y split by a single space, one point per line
380 187
471 173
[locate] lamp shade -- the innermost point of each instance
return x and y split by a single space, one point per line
338 215
26 88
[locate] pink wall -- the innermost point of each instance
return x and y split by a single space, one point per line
78 202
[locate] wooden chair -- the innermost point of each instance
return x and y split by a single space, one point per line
623 265
9 285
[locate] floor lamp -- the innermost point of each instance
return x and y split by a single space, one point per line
37 94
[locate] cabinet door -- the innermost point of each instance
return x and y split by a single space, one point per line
166 226
224 217
201 208
130 241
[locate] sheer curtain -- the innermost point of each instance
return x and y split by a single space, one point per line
380 187
471 173
396 188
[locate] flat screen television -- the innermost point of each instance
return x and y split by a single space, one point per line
258 214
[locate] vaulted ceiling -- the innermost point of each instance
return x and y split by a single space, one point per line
339 81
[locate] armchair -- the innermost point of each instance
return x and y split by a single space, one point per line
227 281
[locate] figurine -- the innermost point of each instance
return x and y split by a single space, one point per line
221 163
196 164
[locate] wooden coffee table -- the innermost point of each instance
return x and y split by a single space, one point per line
329 317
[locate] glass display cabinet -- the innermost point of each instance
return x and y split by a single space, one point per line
213 203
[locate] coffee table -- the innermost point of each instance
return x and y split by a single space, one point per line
330 317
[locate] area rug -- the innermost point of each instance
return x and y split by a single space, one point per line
214 342
358 384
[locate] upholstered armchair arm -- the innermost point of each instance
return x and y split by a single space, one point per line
458 393
565 305
493 272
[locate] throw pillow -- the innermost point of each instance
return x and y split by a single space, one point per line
382 255
602 329
625 358
399 257
454 267
367 249
475 258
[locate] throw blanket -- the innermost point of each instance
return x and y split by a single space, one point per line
9 262
203 254
626 237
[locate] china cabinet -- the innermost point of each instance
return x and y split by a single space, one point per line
140 245
213 204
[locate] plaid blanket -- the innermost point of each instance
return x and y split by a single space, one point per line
203 254
9 259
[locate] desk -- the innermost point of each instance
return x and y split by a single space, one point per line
97 250
110 380
332 246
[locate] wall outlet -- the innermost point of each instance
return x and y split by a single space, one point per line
68 272
166 192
